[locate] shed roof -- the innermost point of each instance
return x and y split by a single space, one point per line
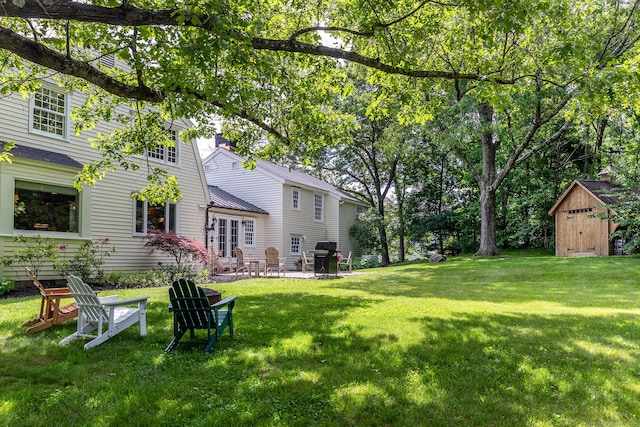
221 199
608 193
31 153
605 192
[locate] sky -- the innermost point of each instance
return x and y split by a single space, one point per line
205 147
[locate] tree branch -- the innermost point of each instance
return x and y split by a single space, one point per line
126 15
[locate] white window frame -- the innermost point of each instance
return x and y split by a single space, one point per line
295 199
360 210
62 116
145 210
318 207
296 241
249 232
165 154
225 243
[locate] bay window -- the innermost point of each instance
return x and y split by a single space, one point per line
45 207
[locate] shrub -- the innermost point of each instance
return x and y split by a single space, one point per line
147 278
35 252
369 262
136 279
86 260
183 249
6 284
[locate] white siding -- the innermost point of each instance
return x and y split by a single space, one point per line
271 193
226 172
110 208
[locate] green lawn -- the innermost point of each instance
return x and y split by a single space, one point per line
515 340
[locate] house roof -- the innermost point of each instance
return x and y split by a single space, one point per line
293 176
31 153
603 191
221 199
289 175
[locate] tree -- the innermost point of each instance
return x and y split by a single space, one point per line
474 60
366 162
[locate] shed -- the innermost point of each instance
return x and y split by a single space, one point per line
581 227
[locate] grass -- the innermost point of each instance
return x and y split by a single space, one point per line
509 341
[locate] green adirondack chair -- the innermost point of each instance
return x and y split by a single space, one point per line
191 310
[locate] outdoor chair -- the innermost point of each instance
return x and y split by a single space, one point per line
346 262
305 262
274 261
51 312
191 310
97 313
241 265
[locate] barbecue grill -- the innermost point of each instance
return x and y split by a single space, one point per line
325 260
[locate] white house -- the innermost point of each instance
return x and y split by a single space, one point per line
299 210
37 194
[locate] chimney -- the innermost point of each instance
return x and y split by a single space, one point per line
608 174
222 142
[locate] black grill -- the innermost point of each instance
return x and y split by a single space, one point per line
325 260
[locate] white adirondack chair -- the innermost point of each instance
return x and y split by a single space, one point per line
96 313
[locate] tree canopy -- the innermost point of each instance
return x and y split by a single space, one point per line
497 80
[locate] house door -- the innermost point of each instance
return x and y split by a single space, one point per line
227 236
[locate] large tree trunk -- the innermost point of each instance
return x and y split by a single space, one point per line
382 230
488 228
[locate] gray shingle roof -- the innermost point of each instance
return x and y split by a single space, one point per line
301 178
221 199
44 156
604 190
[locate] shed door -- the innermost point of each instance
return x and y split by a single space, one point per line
581 232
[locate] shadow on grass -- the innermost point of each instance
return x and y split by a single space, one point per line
297 359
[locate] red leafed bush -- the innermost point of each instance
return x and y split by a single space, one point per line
183 249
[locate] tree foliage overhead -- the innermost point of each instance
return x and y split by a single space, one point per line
497 81
231 58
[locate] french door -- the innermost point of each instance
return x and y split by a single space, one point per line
228 231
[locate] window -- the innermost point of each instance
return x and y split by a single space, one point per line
296 245
359 210
583 210
49 112
249 232
45 207
155 217
295 199
318 211
164 154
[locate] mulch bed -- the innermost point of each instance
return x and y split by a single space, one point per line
29 289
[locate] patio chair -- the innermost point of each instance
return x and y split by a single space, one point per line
191 310
274 261
305 262
346 262
96 313
51 313
241 265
